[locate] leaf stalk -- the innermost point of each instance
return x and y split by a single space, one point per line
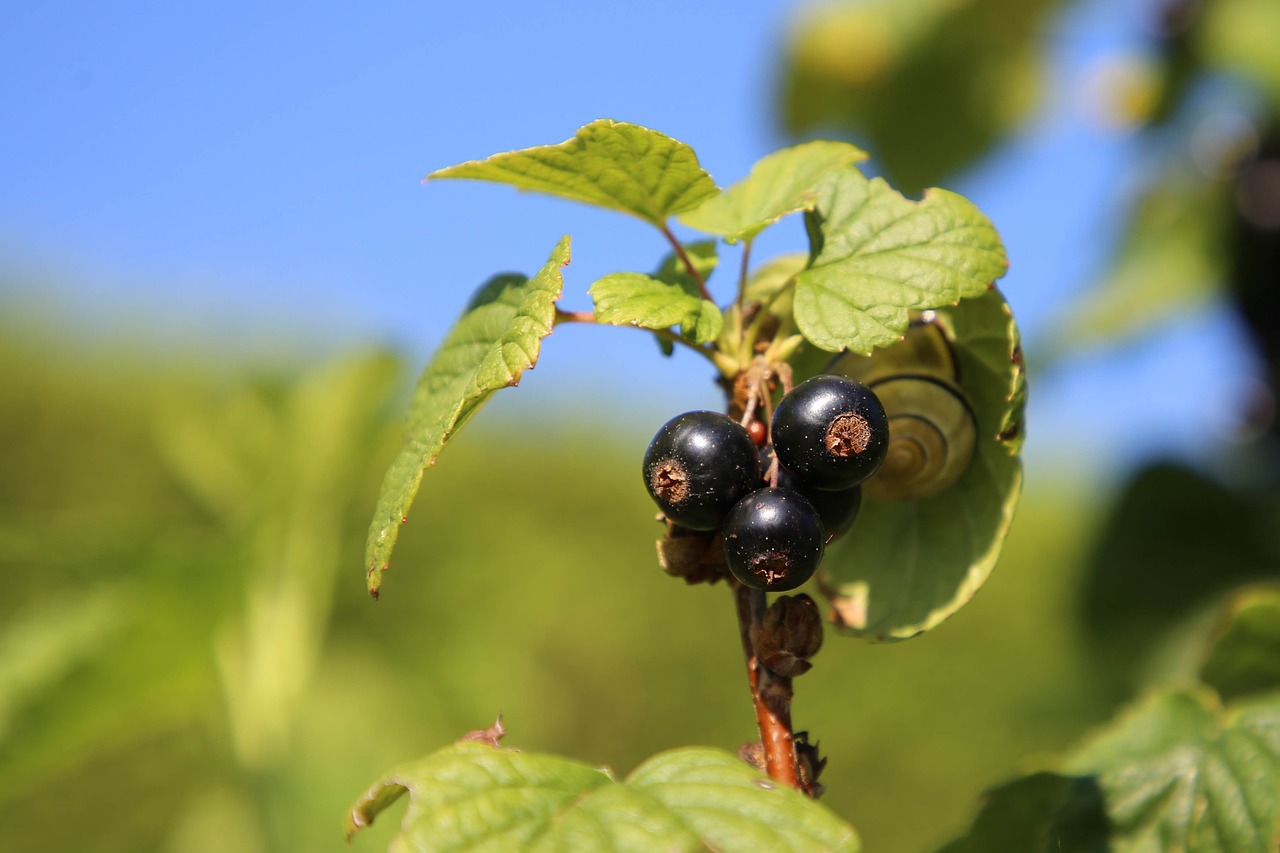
589 317
678 248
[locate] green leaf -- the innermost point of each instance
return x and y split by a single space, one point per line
882 255
474 797
909 565
1170 263
1245 655
901 75
702 255
781 183
495 340
635 299
41 649
1040 813
607 163
1174 540
1177 772
773 275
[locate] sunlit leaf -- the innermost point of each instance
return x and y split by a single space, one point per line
627 298
497 338
773 275
702 257
908 565
473 797
781 183
882 255
607 163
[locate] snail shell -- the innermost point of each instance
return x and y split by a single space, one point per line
931 437
932 429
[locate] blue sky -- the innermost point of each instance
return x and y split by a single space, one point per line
228 172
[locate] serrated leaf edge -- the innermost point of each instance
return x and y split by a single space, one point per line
383 529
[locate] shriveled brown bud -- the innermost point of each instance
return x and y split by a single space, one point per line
789 634
696 556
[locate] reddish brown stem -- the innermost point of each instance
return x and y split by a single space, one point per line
767 401
589 317
771 695
688 263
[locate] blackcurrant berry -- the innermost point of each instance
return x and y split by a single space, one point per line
773 539
836 510
698 466
831 432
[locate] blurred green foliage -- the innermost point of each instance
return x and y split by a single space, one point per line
931 87
927 86
1198 96
188 659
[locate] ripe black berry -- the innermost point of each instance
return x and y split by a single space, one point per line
831 432
698 466
773 540
836 510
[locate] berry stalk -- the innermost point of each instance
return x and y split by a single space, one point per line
770 693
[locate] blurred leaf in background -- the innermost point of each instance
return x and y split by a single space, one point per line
187 666
1170 262
1244 657
1185 767
931 87
188 661
927 86
1174 542
1197 211
1199 227
206 518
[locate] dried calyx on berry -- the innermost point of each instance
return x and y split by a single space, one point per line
698 466
773 540
830 432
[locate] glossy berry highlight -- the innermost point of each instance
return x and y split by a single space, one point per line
773 540
698 466
831 432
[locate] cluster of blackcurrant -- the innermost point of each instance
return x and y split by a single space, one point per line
779 498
